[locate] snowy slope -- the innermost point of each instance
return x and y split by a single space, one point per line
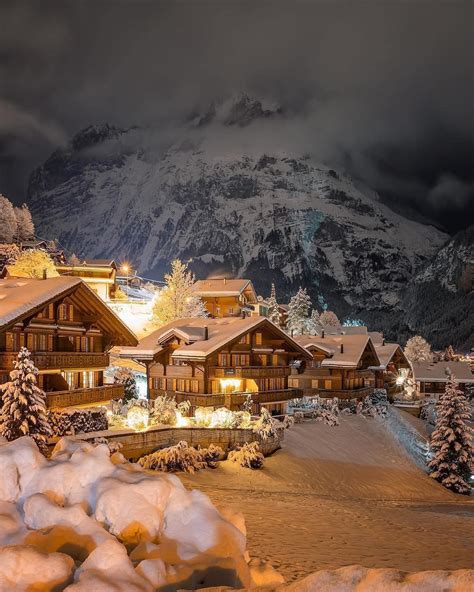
233 204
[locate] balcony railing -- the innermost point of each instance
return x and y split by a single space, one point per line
58 360
230 400
355 393
250 371
84 396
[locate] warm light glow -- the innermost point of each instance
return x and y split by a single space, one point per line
125 268
230 385
203 416
137 418
181 421
222 418
400 380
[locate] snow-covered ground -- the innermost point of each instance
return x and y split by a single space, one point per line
337 496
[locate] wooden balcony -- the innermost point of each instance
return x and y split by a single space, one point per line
232 401
250 371
58 360
356 393
84 396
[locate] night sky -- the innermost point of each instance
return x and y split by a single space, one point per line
382 90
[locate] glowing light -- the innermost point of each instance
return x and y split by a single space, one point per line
181 421
138 418
400 380
222 418
203 416
230 385
125 268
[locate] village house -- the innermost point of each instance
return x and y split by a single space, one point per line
392 362
218 362
98 274
227 297
340 366
69 331
431 377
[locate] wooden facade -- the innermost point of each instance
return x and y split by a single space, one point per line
69 332
218 362
341 366
227 297
98 274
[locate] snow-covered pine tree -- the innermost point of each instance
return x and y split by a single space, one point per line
451 441
418 349
23 411
9 253
298 309
8 223
273 312
177 299
33 263
127 378
313 325
25 227
329 318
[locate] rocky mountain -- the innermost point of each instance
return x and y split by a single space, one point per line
440 300
223 193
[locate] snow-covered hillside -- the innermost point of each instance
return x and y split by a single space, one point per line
226 195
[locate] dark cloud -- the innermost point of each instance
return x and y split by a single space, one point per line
383 89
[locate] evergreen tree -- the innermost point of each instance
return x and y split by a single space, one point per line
127 378
273 312
25 227
298 310
33 264
8 223
451 441
23 411
313 326
177 300
329 318
418 349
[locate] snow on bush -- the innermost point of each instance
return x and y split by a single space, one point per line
247 455
182 457
86 520
265 427
69 421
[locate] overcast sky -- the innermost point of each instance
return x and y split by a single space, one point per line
382 89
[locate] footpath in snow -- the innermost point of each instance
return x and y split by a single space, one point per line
336 496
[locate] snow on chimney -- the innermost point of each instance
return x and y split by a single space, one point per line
225 281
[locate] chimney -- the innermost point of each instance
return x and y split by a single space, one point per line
383 341
342 348
206 333
45 274
225 281
322 333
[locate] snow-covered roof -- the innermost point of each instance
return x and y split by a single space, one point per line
439 371
194 332
22 297
223 287
352 346
386 351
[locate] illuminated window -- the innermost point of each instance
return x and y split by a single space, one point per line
258 338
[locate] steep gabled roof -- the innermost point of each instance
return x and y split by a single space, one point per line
215 287
386 352
22 298
439 371
193 331
352 346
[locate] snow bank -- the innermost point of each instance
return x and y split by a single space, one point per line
88 520
361 579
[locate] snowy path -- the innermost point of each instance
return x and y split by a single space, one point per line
344 495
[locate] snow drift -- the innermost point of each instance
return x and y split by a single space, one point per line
89 520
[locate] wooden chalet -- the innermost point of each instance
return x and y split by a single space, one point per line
227 297
217 362
69 332
98 274
392 361
431 377
340 366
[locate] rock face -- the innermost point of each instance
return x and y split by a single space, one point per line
440 301
262 214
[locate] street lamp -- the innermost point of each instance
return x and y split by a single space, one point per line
126 269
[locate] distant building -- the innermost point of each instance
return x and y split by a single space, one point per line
392 361
431 378
227 297
69 331
218 362
98 274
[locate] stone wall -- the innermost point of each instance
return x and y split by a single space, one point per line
136 444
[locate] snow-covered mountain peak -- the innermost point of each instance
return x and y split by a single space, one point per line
240 109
